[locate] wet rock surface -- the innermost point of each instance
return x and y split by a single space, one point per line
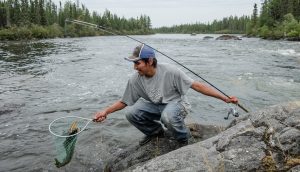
228 37
207 37
136 155
266 140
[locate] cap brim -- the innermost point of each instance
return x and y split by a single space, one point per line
132 58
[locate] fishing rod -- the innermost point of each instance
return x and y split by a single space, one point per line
107 30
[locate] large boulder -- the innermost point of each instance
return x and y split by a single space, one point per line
207 37
137 155
228 37
266 140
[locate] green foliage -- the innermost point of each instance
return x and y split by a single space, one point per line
70 28
54 30
7 34
23 33
39 32
265 32
2 15
15 33
293 33
44 19
278 19
291 26
254 16
226 25
29 32
277 33
252 25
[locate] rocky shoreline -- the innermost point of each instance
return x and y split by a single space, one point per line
266 140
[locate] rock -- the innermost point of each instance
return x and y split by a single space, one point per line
266 140
293 39
289 138
295 169
204 131
207 37
228 37
136 154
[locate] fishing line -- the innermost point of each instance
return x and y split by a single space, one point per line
107 30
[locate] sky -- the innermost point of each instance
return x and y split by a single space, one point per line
173 12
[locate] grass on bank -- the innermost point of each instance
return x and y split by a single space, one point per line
30 32
55 31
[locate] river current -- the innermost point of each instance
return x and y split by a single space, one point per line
47 79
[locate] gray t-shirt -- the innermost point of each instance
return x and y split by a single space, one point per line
168 84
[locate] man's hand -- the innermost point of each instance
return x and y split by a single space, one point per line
100 116
231 99
209 91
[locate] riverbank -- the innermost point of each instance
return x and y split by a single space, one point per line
266 140
55 31
272 38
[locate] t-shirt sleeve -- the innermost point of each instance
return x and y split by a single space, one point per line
183 82
130 95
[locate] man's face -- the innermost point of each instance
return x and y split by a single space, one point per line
141 67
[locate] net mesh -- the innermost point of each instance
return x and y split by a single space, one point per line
64 150
65 131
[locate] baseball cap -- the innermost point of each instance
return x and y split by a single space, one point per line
141 52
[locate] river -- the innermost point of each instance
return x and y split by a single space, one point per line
47 79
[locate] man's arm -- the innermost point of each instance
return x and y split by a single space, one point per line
209 91
101 116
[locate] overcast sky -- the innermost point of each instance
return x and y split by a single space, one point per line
172 12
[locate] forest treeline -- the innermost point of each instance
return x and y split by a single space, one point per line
232 24
277 19
27 19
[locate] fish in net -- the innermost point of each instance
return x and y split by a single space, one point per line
66 146
65 139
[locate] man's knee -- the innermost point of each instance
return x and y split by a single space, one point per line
172 115
133 114
175 124
171 120
165 118
129 115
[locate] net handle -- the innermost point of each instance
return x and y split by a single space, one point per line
88 119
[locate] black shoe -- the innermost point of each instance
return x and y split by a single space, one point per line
182 143
147 139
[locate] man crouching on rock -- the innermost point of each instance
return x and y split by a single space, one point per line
157 93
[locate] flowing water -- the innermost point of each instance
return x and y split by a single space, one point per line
43 80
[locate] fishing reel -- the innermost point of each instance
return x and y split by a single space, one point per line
232 111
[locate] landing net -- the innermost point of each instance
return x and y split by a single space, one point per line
65 131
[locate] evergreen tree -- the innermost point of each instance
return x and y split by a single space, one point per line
25 12
279 19
254 16
42 18
42 13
